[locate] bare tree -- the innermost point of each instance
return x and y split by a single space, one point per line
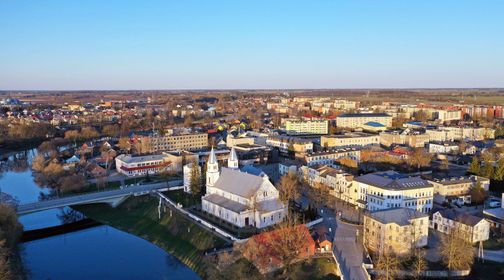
387 266
456 250
419 158
289 189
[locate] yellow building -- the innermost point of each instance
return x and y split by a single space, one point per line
397 230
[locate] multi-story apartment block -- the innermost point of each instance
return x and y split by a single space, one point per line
453 187
447 115
408 137
448 133
339 182
390 189
287 144
349 140
343 104
190 141
330 156
359 120
397 230
446 147
473 229
303 127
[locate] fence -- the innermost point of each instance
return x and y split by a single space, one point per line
199 220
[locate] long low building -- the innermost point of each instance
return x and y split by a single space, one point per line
330 156
349 140
286 144
408 137
359 120
132 166
303 127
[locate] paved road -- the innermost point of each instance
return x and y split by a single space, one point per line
346 248
496 256
92 197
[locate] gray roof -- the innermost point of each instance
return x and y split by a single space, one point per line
353 115
226 203
239 183
250 169
400 216
270 205
460 217
393 181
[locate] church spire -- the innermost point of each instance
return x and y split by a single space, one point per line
212 170
233 159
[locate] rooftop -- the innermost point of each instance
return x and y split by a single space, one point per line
393 180
400 216
366 115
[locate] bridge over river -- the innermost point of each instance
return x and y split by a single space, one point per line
113 197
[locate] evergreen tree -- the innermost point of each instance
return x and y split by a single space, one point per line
475 167
487 170
195 182
478 194
499 171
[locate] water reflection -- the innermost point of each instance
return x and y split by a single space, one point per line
101 253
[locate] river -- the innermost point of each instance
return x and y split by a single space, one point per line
101 252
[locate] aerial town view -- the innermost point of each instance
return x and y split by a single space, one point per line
350 140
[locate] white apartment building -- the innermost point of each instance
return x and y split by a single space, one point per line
359 120
349 140
474 229
390 189
447 115
300 127
338 181
448 133
289 143
447 147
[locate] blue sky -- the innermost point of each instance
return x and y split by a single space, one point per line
190 44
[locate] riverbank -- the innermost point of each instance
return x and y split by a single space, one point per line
173 233
188 242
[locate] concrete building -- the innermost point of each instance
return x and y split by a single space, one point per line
407 137
303 127
190 141
448 189
397 230
132 166
355 139
448 133
444 148
339 182
473 229
287 144
390 189
358 120
241 198
330 156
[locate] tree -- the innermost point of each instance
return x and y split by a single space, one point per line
88 133
349 163
195 181
487 169
418 264
10 232
478 194
71 183
419 158
421 116
499 171
38 163
124 144
111 130
456 250
387 266
289 189
72 135
475 166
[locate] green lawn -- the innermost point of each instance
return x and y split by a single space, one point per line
175 234
319 268
179 196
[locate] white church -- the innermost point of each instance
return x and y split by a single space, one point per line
243 198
